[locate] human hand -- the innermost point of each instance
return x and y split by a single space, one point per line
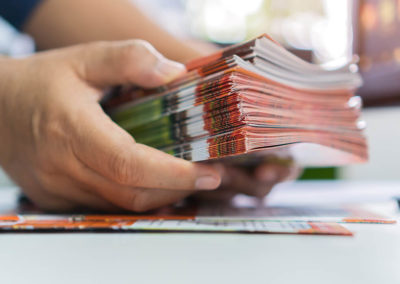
254 181
64 152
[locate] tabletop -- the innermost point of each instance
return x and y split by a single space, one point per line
372 255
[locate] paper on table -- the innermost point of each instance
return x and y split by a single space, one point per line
246 208
232 226
109 223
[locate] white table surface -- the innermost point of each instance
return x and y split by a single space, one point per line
371 256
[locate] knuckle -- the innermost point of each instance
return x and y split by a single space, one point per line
124 169
53 130
139 59
143 47
119 167
138 50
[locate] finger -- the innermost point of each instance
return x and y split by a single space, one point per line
135 199
49 202
77 194
134 61
85 200
33 189
263 190
107 149
294 172
129 198
271 173
238 180
144 199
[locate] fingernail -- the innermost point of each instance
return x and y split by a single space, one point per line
207 183
169 69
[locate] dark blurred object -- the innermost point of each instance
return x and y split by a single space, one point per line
377 41
304 54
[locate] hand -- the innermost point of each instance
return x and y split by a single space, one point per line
64 152
254 181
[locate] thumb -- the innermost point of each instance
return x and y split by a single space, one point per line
104 64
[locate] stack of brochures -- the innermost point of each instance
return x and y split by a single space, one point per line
255 97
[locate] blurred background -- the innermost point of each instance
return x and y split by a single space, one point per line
320 31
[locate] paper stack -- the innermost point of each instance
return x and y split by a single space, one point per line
254 97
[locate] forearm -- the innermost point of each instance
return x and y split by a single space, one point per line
57 23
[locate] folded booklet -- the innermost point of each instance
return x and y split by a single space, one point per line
242 214
120 223
255 97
